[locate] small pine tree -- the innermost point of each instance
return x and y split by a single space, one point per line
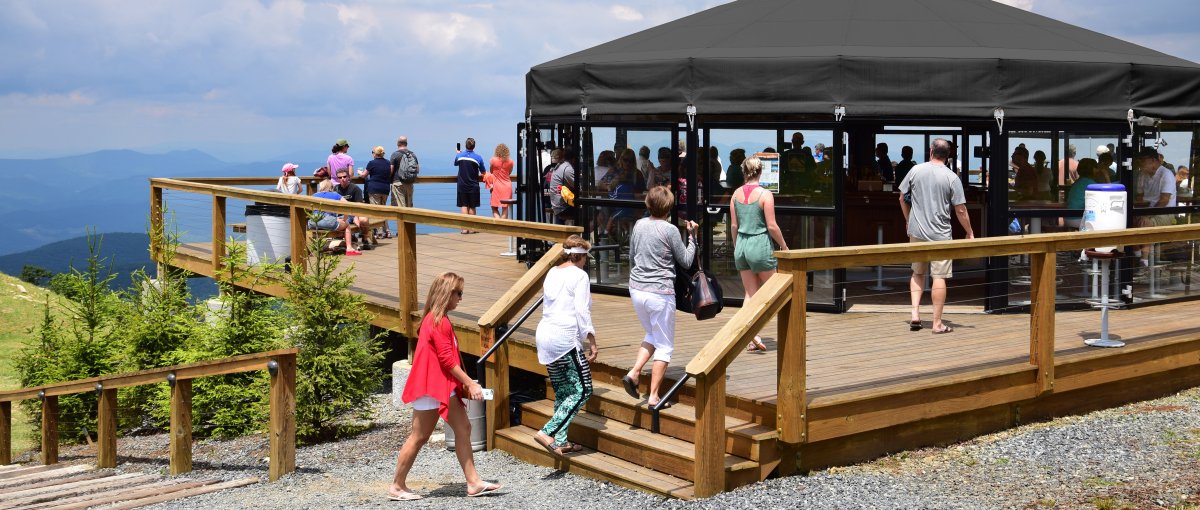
339 361
36 275
245 322
83 347
160 319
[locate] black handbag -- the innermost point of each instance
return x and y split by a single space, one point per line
697 292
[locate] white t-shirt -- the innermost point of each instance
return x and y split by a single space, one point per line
289 184
1163 181
566 313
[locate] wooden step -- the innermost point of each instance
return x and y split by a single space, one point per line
744 439
520 443
659 452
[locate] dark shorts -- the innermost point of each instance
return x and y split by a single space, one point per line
468 198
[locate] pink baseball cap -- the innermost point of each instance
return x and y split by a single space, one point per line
289 167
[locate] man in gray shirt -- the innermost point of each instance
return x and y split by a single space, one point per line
933 188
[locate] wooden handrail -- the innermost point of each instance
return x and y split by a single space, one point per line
747 322
521 292
268 181
282 428
854 256
530 230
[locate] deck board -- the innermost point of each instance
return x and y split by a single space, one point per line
846 352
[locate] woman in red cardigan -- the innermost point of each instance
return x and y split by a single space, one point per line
436 385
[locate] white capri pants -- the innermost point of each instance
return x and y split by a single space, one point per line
657 314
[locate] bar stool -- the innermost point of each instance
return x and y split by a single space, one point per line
512 241
1153 274
1106 259
879 286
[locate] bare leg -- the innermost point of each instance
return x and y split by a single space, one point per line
916 287
462 444
496 213
657 371
939 301
643 355
423 423
749 283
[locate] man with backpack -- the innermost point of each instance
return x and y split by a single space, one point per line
404 173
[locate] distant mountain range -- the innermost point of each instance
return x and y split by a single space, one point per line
48 200
123 253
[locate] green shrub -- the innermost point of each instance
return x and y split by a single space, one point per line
339 362
81 349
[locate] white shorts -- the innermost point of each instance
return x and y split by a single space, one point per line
657 314
427 403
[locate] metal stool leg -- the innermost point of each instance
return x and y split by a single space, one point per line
879 286
1104 340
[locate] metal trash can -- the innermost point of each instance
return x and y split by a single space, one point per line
477 415
268 234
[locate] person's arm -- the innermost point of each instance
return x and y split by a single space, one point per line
684 254
449 359
768 207
733 219
583 316
964 219
1163 200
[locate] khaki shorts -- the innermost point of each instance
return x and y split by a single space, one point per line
943 269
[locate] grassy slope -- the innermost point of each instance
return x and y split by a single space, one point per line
20 313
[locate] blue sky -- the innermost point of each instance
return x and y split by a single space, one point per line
259 80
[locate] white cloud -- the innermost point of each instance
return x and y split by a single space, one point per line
1020 4
625 13
449 33
70 99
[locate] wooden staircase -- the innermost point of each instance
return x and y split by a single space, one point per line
619 446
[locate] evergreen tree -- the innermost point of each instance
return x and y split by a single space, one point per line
339 361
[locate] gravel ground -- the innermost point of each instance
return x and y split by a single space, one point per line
1143 455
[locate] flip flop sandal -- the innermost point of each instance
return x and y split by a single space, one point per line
914 325
947 329
490 487
630 387
405 496
549 446
571 447
665 406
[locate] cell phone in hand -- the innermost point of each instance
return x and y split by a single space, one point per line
488 394
458 146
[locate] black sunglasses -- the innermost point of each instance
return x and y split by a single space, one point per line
458 293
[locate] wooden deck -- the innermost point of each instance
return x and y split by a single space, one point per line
847 353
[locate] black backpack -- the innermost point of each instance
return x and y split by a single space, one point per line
406 168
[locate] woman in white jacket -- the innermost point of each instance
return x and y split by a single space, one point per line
566 320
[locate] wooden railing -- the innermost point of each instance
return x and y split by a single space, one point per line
500 313
406 218
785 294
281 364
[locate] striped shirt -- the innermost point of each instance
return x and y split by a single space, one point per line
470 167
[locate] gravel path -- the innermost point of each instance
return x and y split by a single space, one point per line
1143 455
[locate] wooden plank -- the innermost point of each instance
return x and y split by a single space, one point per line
520 293
406 280
230 365
736 334
791 418
52 493
282 427
49 483
92 498
710 432
218 231
5 433
186 493
180 450
297 229
496 375
1041 317
156 223
106 429
50 430
40 473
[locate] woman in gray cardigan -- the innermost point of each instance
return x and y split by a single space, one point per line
655 247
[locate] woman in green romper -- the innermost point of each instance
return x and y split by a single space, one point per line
754 220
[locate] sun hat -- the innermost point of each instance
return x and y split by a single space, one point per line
289 167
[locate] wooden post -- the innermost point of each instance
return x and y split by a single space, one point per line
792 400
1041 316
5 433
283 418
156 222
106 429
218 232
406 253
181 427
496 377
50 430
299 230
710 433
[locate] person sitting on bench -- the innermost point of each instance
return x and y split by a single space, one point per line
333 221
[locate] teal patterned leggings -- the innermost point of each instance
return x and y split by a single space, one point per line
571 378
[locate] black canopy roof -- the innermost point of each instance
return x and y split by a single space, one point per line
905 58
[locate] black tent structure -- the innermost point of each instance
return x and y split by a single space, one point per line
851 75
